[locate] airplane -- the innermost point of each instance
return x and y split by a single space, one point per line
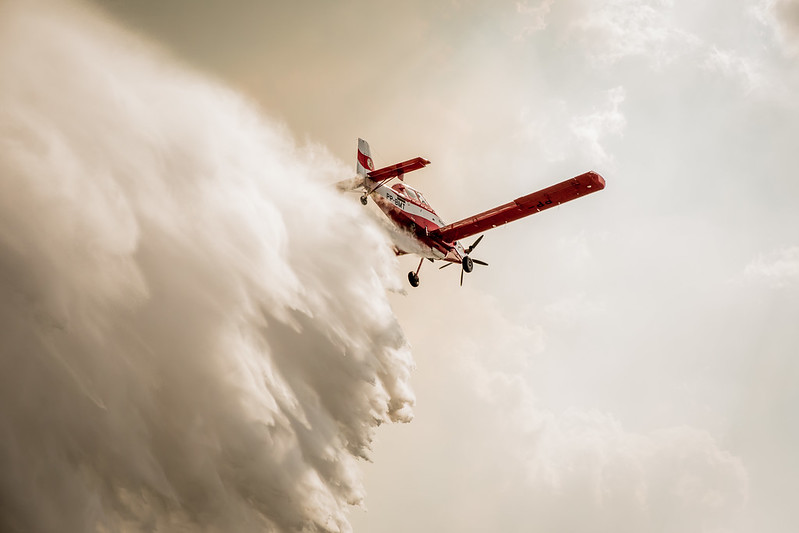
432 239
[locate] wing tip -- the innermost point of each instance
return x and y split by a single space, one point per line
597 182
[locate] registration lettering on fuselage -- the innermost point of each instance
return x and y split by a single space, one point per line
399 202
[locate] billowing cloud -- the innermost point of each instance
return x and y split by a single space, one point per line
535 16
736 66
616 29
589 130
669 479
194 329
562 132
779 268
517 461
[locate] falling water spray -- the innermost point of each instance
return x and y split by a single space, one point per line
194 333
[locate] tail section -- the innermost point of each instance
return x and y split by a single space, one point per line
365 169
364 164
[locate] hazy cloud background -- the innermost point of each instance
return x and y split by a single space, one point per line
627 362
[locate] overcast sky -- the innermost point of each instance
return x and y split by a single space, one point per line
628 362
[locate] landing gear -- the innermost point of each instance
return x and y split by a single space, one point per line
364 199
413 277
467 263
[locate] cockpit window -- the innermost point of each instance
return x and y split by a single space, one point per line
414 195
410 193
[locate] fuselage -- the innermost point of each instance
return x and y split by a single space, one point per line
410 212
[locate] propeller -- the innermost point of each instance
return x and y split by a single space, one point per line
474 244
467 264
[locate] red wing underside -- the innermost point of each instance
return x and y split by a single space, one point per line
531 204
398 169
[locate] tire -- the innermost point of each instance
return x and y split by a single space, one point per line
468 264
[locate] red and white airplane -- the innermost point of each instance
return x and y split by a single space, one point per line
430 237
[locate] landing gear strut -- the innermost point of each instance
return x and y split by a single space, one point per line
413 277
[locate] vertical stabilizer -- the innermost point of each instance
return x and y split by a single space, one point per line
364 164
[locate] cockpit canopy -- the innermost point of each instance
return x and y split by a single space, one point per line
411 193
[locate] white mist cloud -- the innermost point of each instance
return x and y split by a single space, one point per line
515 462
535 17
194 328
735 66
615 29
563 133
589 130
779 268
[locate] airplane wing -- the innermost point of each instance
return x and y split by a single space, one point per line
398 169
531 204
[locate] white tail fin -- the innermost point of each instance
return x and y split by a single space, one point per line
364 163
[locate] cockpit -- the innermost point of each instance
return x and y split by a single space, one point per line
414 195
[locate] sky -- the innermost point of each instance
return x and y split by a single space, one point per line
627 361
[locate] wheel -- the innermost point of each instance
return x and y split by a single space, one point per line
468 264
363 199
413 278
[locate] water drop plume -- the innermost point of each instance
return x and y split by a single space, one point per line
194 332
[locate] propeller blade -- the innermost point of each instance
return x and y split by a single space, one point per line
445 266
461 277
478 262
474 244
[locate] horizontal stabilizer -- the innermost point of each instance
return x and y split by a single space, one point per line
531 204
398 169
